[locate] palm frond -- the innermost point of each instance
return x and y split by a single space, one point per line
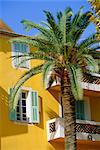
84 19
29 40
25 77
75 79
54 26
92 65
48 34
77 16
88 41
50 81
59 16
81 25
46 24
45 31
33 56
95 52
48 66
65 22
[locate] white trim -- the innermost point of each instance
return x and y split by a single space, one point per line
26 88
12 48
90 86
87 122
95 74
84 136
28 110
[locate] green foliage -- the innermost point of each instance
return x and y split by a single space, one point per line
25 77
47 68
92 65
58 45
76 78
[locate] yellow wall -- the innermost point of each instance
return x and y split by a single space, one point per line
19 136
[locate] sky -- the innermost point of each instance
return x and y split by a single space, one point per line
13 11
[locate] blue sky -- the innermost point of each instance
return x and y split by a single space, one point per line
13 11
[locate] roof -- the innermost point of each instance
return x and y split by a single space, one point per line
4 27
6 30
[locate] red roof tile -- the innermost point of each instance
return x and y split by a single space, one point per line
4 27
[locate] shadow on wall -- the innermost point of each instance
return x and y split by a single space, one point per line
8 128
41 124
51 114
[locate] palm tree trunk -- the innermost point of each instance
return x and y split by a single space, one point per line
69 113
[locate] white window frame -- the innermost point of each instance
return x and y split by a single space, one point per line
13 54
20 108
28 106
29 111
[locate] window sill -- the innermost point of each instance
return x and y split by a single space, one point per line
23 123
21 68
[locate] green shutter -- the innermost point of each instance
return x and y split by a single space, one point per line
80 114
35 107
12 113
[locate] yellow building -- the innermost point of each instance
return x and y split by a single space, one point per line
37 123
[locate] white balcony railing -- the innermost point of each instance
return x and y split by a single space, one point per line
90 86
85 130
85 85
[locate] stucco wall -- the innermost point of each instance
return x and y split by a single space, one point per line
19 136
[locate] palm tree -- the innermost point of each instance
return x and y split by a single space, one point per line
65 57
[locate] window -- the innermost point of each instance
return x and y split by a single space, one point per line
27 109
21 107
20 49
80 113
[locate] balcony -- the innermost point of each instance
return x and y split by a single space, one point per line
90 86
85 130
87 84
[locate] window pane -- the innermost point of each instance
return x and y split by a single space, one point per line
23 102
23 95
23 109
24 115
18 109
80 110
15 47
18 102
18 47
24 119
18 117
